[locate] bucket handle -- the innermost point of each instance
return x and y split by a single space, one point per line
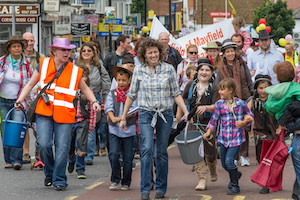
185 131
11 111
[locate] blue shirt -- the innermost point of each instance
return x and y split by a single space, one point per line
115 129
264 63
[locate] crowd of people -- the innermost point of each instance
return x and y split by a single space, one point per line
127 104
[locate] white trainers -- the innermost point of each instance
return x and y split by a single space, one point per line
113 186
236 162
244 161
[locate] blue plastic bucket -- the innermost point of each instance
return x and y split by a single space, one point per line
14 132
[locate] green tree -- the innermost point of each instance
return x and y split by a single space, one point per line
278 17
138 6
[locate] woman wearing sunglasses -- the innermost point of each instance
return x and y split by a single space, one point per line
191 60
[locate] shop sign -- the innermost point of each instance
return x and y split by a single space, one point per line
51 17
110 13
18 20
104 27
63 25
88 1
51 5
82 29
132 20
219 14
127 30
20 10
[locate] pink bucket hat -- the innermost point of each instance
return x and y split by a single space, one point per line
62 43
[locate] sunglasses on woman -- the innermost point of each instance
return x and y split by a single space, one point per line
89 50
191 52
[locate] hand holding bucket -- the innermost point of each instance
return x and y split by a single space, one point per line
14 132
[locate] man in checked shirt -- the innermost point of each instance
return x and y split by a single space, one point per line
85 122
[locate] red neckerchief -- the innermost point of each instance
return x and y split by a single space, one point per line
121 94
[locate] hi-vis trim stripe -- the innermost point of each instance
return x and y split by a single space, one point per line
73 78
44 71
65 91
51 98
51 87
63 103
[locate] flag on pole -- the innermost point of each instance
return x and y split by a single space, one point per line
232 8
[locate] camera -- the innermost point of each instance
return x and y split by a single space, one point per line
46 99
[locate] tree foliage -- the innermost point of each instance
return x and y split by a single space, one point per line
138 6
278 17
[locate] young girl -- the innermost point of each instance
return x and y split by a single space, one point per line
264 126
230 110
238 23
198 94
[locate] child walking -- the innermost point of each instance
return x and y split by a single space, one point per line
85 122
264 126
120 142
234 115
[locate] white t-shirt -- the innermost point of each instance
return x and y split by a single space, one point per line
10 85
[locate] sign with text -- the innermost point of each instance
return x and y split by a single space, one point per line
127 30
51 5
82 29
63 25
219 14
104 27
20 10
18 20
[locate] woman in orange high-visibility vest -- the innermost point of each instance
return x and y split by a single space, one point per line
54 120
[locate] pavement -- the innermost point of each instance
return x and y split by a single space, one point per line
182 181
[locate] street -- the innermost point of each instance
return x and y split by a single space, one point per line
27 185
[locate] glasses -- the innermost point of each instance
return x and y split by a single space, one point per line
193 53
89 50
64 49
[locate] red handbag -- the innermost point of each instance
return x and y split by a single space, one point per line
272 160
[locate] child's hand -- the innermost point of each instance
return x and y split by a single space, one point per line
116 119
240 124
207 134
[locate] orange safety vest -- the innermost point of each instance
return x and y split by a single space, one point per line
61 93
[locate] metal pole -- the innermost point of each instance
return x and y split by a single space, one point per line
202 14
13 31
226 8
170 15
145 13
109 36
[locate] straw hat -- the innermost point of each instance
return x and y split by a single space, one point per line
211 45
14 39
115 69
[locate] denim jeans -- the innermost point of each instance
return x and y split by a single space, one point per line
48 130
101 132
162 137
79 160
12 155
92 138
228 155
117 146
296 161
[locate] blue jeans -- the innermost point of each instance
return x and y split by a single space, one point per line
92 138
101 132
118 145
296 160
228 155
12 155
162 137
47 130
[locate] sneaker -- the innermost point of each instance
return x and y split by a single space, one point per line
26 158
244 161
71 167
48 181
236 162
145 196
89 162
264 190
125 187
159 195
60 188
113 186
81 174
103 152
